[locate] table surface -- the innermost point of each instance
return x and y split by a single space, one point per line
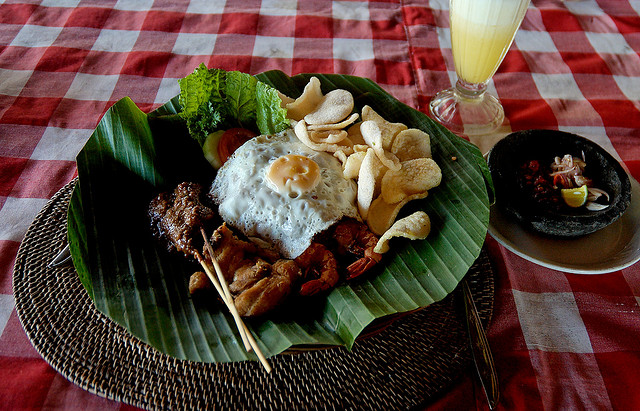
560 340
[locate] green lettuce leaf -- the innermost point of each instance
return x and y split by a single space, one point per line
213 99
241 98
202 100
271 117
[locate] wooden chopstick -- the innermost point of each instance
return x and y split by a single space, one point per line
223 289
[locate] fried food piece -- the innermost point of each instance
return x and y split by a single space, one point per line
334 126
307 102
383 214
414 227
320 269
248 275
415 177
351 166
199 282
334 107
373 136
329 140
411 144
267 293
387 129
355 238
369 180
256 285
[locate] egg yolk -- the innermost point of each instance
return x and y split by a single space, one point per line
293 175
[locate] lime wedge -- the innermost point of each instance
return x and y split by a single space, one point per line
575 197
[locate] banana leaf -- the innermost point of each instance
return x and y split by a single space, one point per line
132 156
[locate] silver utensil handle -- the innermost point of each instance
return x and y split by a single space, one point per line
62 258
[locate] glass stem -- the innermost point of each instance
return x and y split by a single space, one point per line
470 91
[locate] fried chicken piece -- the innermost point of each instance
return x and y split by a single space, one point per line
199 282
267 293
256 285
247 275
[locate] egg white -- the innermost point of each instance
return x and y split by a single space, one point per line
247 201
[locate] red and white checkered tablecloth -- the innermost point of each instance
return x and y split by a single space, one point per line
561 341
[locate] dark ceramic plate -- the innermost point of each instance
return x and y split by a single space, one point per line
509 154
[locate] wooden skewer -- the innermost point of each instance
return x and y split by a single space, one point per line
242 328
216 266
223 289
227 302
249 336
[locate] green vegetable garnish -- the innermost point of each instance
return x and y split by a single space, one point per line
271 117
213 99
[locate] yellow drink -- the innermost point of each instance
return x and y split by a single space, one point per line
481 34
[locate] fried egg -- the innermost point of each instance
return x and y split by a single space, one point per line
278 189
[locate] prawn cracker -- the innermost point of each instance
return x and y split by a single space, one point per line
373 137
355 135
369 179
410 144
388 129
415 176
302 133
414 227
327 136
284 99
382 214
334 107
353 164
307 102
333 126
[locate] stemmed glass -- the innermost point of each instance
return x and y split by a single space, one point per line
481 33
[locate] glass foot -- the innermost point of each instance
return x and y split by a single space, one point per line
471 115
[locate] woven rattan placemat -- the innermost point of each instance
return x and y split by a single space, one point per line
400 367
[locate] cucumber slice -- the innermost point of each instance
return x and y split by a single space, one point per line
210 149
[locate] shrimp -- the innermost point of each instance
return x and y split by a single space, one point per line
355 238
320 264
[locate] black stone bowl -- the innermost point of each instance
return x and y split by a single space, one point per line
510 153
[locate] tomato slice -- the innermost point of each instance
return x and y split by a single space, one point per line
231 140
